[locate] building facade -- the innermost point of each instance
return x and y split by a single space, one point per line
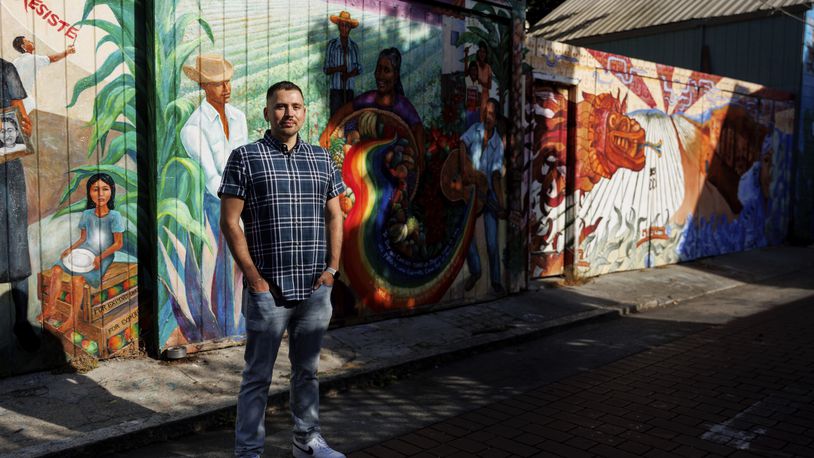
765 42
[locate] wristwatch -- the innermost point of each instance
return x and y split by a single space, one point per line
331 271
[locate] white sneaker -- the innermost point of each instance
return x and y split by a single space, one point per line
316 447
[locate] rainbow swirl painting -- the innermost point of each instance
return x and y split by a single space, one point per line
382 277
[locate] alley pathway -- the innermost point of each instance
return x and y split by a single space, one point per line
742 389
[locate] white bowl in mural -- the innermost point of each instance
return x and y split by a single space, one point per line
79 260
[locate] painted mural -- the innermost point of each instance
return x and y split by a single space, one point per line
409 100
548 128
668 165
68 216
803 217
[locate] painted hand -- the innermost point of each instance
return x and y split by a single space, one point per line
25 125
325 139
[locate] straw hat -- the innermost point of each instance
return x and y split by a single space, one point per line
344 16
210 68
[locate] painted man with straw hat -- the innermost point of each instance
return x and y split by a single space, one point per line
210 134
342 64
216 127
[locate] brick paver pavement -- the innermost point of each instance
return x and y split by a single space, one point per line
742 389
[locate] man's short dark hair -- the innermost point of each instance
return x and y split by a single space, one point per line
18 44
495 104
283 86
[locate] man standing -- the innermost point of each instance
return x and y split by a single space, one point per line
212 131
485 148
342 63
29 64
15 263
285 191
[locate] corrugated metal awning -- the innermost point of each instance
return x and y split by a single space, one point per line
589 18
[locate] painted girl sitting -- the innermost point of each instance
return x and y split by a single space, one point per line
101 233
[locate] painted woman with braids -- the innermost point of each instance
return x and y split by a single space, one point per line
389 96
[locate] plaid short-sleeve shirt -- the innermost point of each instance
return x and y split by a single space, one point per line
284 195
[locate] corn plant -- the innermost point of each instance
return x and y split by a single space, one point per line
114 110
187 246
179 179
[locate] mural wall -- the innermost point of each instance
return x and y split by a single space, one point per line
666 164
67 171
411 102
803 228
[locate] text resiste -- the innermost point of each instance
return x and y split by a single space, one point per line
42 10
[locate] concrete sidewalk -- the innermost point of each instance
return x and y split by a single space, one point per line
137 399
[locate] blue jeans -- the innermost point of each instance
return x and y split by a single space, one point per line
266 320
473 258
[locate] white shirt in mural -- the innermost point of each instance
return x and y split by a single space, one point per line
27 67
204 140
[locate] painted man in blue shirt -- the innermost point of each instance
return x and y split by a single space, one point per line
485 149
285 191
342 63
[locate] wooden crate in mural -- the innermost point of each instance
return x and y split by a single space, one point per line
108 317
